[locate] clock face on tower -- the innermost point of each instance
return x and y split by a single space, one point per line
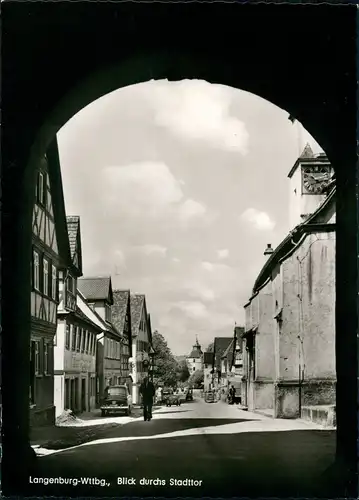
315 178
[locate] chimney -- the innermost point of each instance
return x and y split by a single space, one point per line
269 250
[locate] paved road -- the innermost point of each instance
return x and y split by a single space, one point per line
222 450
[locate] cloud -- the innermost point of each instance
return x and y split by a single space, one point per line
192 309
260 220
144 187
152 249
208 266
120 260
198 110
223 254
191 209
199 291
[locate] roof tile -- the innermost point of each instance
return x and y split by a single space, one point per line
96 288
137 303
119 308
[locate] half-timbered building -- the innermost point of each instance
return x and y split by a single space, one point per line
121 319
50 256
75 349
141 343
99 296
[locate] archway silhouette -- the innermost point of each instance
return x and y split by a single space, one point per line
89 55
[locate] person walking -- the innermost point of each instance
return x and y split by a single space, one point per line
147 391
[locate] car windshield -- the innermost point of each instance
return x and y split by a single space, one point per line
117 391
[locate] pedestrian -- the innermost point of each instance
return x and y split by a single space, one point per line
147 391
233 394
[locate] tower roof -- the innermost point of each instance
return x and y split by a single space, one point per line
307 152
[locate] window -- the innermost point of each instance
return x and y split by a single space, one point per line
87 335
37 357
194 368
78 339
82 340
194 361
74 339
45 265
92 344
36 270
54 283
67 336
47 359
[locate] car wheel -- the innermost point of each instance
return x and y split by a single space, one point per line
103 413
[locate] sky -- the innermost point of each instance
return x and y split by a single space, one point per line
180 186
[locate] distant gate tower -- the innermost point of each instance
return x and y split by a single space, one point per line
195 359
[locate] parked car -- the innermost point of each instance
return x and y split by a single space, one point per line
117 400
189 395
170 397
209 397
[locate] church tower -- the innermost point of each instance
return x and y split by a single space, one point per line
195 359
308 178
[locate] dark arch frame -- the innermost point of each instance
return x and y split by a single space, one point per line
54 63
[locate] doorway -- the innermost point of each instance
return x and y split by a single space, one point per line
83 394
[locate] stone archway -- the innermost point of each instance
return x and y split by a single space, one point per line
47 79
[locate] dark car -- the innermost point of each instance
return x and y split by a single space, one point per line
117 400
171 398
189 395
209 397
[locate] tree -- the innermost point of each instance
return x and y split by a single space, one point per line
165 372
183 371
196 379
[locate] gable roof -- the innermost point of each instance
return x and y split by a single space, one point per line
88 312
138 302
58 203
208 358
74 234
121 299
93 315
96 288
228 353
149 328
220 345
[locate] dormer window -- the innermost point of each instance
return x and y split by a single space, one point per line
108 313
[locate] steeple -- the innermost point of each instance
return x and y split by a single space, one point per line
307 152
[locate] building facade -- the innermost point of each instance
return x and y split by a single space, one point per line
99 296
195 358
290 318
219 347
50 255
141 343
237 362
121 319
75 348
208 371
